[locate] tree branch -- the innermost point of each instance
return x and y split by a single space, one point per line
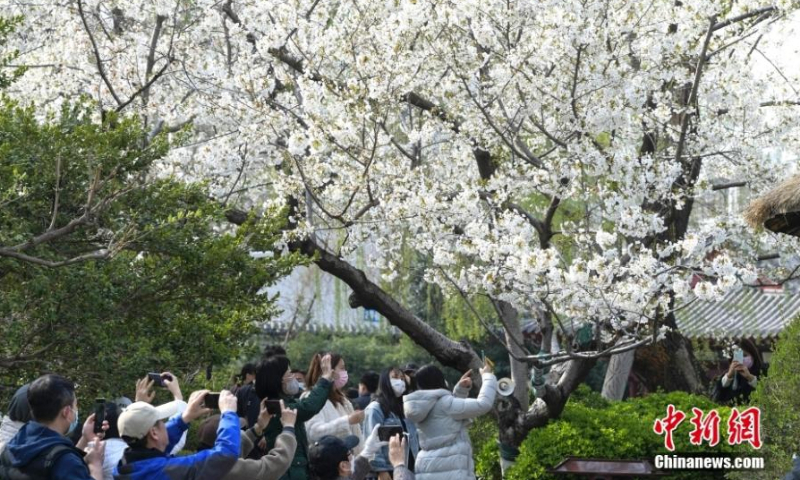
691 102
96 255
744 16
725 186
57 194
101 70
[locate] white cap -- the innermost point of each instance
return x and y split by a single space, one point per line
140 417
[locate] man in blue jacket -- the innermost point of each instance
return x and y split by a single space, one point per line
40 450
150 437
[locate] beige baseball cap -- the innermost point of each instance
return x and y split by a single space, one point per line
136 420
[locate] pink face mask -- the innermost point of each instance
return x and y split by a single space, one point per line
748 362
341 379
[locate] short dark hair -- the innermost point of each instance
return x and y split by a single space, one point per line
48 394
370 380
430 377
272 350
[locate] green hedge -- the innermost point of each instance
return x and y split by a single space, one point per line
594 427
778 395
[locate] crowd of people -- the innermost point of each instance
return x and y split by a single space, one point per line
274 422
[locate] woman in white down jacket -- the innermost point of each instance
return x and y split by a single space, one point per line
442 420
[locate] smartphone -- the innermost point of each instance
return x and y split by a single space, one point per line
385 433
273 407
488 362
99 414
158 379
211 400
738 355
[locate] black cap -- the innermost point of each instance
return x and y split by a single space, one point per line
410 368
325 455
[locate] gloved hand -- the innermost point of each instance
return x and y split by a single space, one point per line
372 444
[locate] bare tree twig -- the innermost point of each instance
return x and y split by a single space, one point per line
57 194
100 69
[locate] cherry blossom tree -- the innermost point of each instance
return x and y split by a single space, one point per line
545 156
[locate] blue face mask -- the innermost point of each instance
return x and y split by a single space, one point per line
73 425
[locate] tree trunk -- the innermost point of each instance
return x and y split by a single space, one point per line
619 368
513 332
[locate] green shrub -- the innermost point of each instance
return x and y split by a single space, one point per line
483 435
778 396
593 427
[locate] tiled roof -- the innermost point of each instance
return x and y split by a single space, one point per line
743 313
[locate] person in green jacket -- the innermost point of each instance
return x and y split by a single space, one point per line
274 381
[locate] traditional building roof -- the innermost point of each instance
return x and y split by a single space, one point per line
748 312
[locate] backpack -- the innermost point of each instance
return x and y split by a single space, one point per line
38 469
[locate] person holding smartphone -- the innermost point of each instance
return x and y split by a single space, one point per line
151 433
387 410
146 393
274 381
443 420
741 378
274 463
338 417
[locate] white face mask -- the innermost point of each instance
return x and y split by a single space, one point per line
399 386
292 387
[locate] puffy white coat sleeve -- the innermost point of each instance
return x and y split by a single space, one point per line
466 408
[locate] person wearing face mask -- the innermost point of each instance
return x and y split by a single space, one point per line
300 376
337 418
274 381
736 385
387 410
40 449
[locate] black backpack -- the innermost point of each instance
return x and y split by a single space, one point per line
39 468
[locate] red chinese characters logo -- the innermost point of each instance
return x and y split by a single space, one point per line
705 428
743 427
668 424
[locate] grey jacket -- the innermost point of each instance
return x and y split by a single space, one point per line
442 419
269 467
361 468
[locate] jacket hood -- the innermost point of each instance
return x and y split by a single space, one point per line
31 440
417 405
18 409
141 464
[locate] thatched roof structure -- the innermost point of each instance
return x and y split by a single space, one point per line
778 210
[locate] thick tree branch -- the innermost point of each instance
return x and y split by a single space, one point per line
367 294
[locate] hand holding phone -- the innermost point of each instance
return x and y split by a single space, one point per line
211 400
99 414
738 355
158 378
273 407
389 431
